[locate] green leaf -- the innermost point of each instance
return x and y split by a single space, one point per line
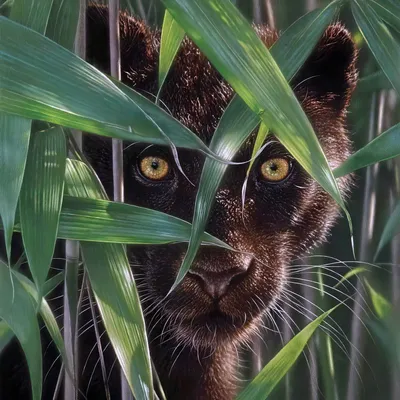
263 384
389 11
238 121
231 44
382 307
391 229
171 38
112 222
383 45
41 200
383 147
44 308
6 334
32 13
14 143
42 80
18 312
116 295
63 22
373 83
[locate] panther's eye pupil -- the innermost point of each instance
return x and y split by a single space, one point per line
154 165
273 167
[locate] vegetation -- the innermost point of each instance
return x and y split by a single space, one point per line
49 192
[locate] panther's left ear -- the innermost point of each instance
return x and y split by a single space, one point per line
330 74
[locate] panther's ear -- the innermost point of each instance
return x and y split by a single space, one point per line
330 74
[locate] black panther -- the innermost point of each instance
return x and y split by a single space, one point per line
194 333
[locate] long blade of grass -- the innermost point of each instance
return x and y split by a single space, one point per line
112 222
389 11
63 22
32 13
14 144
14 131
171 38
239 121
42 80
230 43
383 147
391 229
263 384
41 200
18 312
115 290
383 45
6 335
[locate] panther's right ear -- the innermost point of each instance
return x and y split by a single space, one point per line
329 74
138 47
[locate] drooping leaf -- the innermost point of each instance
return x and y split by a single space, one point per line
383 147
14 143
231 44
391 229
41 200
18 312
116 295
383 45
63 22
263 384
44 81
239 121
171 38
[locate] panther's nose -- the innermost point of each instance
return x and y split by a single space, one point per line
216 284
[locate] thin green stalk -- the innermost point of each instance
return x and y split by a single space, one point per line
357 336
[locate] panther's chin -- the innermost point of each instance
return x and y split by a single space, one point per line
215 329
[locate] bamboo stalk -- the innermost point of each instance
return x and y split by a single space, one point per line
357 335
70 322
257 12
117 150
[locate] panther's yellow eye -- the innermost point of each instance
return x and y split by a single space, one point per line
154 168
275 169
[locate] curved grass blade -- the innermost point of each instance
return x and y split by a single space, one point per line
389 11
230 43
41 200
63 22
391 229
383 45
239 121
383 147
18 312
353 272
116 294
14 143
42 80
263 384
171 38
